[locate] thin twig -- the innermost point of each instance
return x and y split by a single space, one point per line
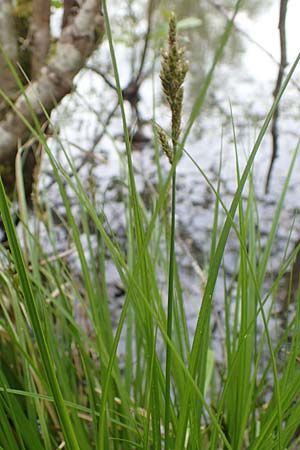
89 154
139 77
102 75
282 66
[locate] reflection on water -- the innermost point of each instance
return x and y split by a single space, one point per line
239 83
203 40
235 85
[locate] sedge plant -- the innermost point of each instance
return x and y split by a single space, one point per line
173 72
63 383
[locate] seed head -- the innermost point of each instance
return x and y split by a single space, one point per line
173 71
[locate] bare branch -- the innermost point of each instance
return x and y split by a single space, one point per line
282 66
40 34
139 77
103 76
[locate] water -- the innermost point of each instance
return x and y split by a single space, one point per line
244 82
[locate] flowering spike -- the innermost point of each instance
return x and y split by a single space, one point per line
173 71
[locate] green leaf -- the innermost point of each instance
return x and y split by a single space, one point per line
56 4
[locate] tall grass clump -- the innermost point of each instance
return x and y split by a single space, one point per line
62 382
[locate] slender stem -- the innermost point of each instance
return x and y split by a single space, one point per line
170 311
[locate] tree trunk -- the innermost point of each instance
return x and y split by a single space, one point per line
8 40
53 80
40 31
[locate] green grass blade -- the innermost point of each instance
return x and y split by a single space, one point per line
35 322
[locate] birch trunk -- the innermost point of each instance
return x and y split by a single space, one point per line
53 80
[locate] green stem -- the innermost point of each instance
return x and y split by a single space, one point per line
170 311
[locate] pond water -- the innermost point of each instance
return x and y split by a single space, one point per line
244 82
